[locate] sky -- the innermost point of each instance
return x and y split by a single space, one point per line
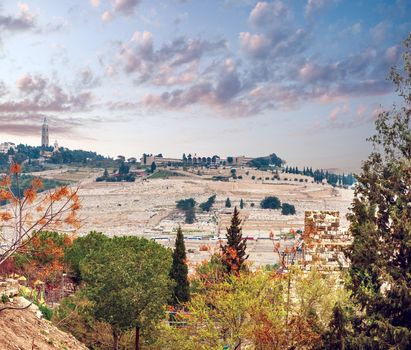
304 79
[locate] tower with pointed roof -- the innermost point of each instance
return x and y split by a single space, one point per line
45 134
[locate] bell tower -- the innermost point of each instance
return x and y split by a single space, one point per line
45 134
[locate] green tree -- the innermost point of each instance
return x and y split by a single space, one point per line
380 224
127 280
81 247
234 251
179 271
19 157
241 204
228 203
190 215
270 202
206 206
153 167
106 174
287 209
123 169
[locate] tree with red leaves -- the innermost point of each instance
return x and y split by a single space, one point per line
234 251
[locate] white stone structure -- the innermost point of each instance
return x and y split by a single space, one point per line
45 134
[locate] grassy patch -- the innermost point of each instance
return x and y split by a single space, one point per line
164 174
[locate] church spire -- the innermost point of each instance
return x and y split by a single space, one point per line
45 134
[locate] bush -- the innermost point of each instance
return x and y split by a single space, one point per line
270 202
185 204
287 209
206 206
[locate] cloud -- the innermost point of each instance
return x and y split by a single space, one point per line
30 125
380 31
25 20
174 61
107 16
267 13
337 111
278 43
341 117
87 78
255 45
315 5
126 7
40 95
95 3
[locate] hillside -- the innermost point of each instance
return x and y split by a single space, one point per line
23 329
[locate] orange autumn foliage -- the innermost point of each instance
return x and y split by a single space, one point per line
42 258
29 212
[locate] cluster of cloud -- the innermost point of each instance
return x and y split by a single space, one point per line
117 7
344 117
272 70
25 20
38 97
174 63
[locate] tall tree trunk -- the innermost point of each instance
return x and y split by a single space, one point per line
116 339
137 338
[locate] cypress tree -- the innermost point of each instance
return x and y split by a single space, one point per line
228 203
381 228
179 271
241 204
234 251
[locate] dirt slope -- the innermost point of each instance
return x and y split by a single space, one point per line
24 330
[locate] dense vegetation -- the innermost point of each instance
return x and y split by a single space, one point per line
319 175
31 156
271 202
287 209
188 207
206 206
263 163
122 174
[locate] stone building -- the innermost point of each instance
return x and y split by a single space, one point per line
324 241
5 147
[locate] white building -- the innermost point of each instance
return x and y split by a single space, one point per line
5 146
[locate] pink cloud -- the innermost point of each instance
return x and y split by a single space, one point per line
253 44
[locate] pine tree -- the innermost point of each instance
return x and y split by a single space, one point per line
228 203
179 271
234 251
381 228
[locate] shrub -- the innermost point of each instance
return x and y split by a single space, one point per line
270 202
287 209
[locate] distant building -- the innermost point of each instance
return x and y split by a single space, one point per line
45 134
201 161
5 147
241 160
159 160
